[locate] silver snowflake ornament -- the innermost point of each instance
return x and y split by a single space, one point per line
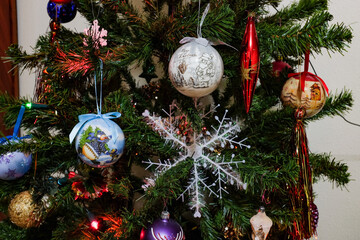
201 151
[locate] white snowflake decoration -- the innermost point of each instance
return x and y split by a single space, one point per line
201 152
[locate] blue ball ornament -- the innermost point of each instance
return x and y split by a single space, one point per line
62 13
14 165
100 142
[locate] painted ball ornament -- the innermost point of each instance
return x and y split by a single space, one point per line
163 228
196 68
100 142
61 13
14 165
305 91
23 212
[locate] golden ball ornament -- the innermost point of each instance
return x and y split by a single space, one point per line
312 97
23 212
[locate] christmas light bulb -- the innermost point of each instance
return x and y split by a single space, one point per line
95 224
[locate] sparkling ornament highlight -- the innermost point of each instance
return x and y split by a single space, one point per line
304 90
23 211
196 68
249 61
163 228
260 225
61 13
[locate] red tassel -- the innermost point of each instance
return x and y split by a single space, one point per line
302 194
249 61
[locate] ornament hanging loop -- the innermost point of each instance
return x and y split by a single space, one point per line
99 99
199 34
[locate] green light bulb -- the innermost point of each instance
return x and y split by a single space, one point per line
28 105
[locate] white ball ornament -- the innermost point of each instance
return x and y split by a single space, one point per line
100 142
196 68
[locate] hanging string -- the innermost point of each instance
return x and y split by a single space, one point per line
198 18
92 11
98 106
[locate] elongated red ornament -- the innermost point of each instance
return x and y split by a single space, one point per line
249 61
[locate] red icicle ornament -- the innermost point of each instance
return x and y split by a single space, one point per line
249 61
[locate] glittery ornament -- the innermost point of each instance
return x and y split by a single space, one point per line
23 211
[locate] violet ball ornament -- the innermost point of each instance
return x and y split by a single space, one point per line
196 68
163 228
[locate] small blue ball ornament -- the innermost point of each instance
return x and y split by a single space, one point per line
14 165
61 13
100 142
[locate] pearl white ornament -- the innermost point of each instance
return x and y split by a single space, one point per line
196 68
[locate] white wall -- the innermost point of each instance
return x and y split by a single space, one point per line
33 21
339 210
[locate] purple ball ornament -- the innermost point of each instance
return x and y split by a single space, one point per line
14 165
61 13
163 228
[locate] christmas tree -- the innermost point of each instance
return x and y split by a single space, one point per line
211 133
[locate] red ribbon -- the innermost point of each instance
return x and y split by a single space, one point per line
303 78
306 72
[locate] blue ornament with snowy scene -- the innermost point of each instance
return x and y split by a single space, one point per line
99 142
